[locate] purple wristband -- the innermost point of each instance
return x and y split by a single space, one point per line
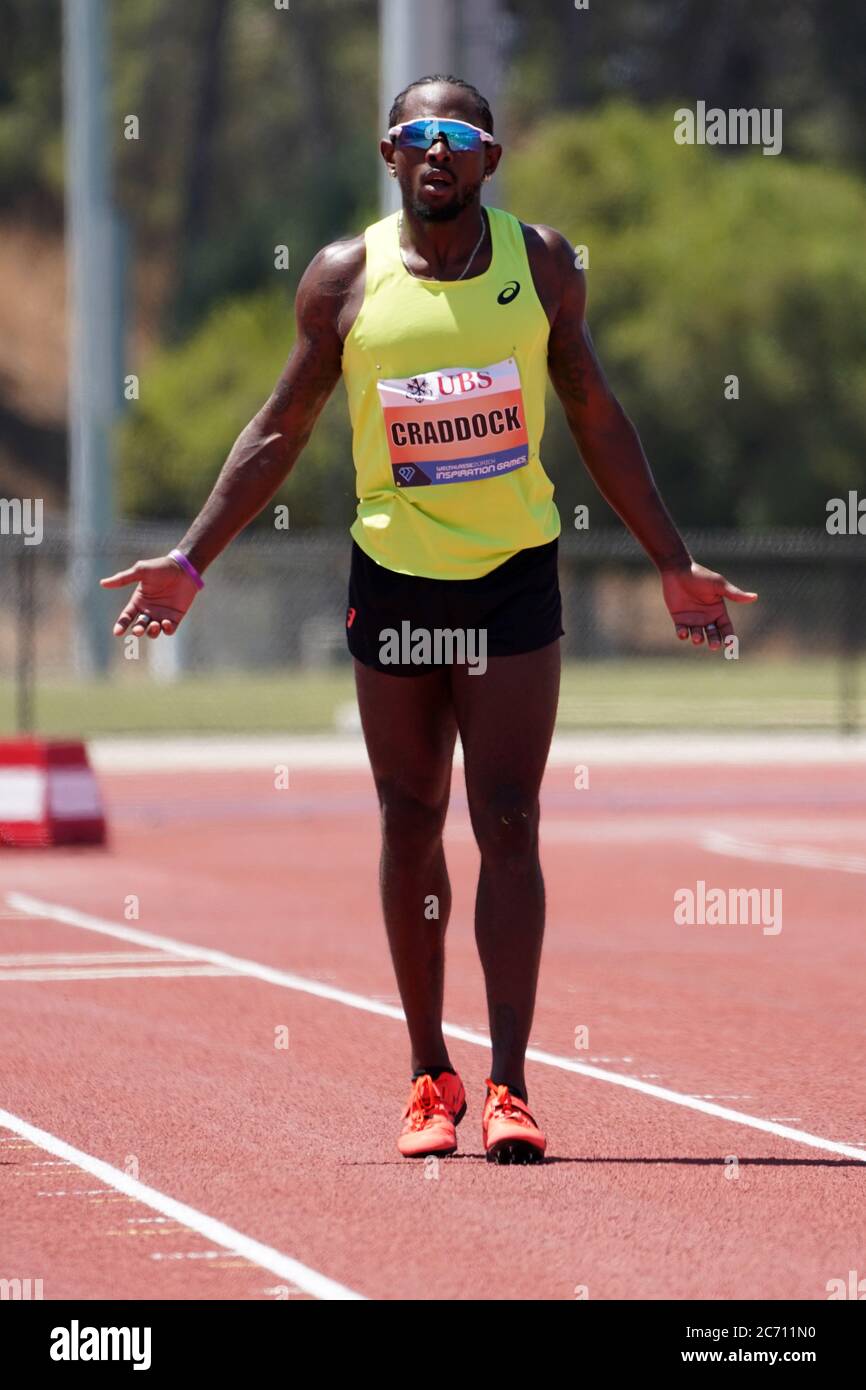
187 566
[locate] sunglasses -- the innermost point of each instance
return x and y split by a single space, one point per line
421 134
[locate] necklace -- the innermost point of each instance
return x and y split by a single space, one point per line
465 268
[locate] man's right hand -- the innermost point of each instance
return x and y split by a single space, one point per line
163 594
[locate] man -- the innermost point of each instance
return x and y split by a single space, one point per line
445 320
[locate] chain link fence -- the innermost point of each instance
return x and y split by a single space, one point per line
264 646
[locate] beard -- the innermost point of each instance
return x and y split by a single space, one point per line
450 210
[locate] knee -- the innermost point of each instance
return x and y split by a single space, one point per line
506 828
411 823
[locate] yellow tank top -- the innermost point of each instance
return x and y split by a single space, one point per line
446 383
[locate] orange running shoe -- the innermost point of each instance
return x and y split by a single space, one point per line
510 1133
431 1117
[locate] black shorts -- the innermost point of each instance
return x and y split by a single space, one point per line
515 608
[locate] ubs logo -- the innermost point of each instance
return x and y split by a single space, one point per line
417 388
511 291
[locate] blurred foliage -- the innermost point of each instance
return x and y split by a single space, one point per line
31 108
258 128
807 56
198 395
701 267
251 136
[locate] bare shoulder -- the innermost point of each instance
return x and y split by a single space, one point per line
339 262
334 269
545 241
552 262
332 286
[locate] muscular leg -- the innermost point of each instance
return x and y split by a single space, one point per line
410 729
506 718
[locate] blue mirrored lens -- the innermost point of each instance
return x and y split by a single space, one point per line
421 134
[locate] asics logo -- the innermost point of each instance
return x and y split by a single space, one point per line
510 291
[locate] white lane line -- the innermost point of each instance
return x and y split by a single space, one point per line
217 1232
105 972
802 856
71 917
36 908
188 1255
75 1191
711 1095
85 958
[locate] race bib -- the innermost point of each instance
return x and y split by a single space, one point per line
457 425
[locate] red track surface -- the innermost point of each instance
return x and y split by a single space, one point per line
178 1080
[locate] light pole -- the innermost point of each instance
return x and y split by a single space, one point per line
95 326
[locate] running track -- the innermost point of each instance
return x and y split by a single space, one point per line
156 1143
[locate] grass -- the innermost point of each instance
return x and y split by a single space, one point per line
690 691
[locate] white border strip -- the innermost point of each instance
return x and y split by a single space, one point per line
71 917
346 752
207 1226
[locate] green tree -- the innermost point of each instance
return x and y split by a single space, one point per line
196 397
702 267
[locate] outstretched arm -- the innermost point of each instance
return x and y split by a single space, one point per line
262 456
265 453
612 452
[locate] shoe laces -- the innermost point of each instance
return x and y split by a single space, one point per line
425 1102
504 1104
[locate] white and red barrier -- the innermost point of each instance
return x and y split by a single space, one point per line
48 794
